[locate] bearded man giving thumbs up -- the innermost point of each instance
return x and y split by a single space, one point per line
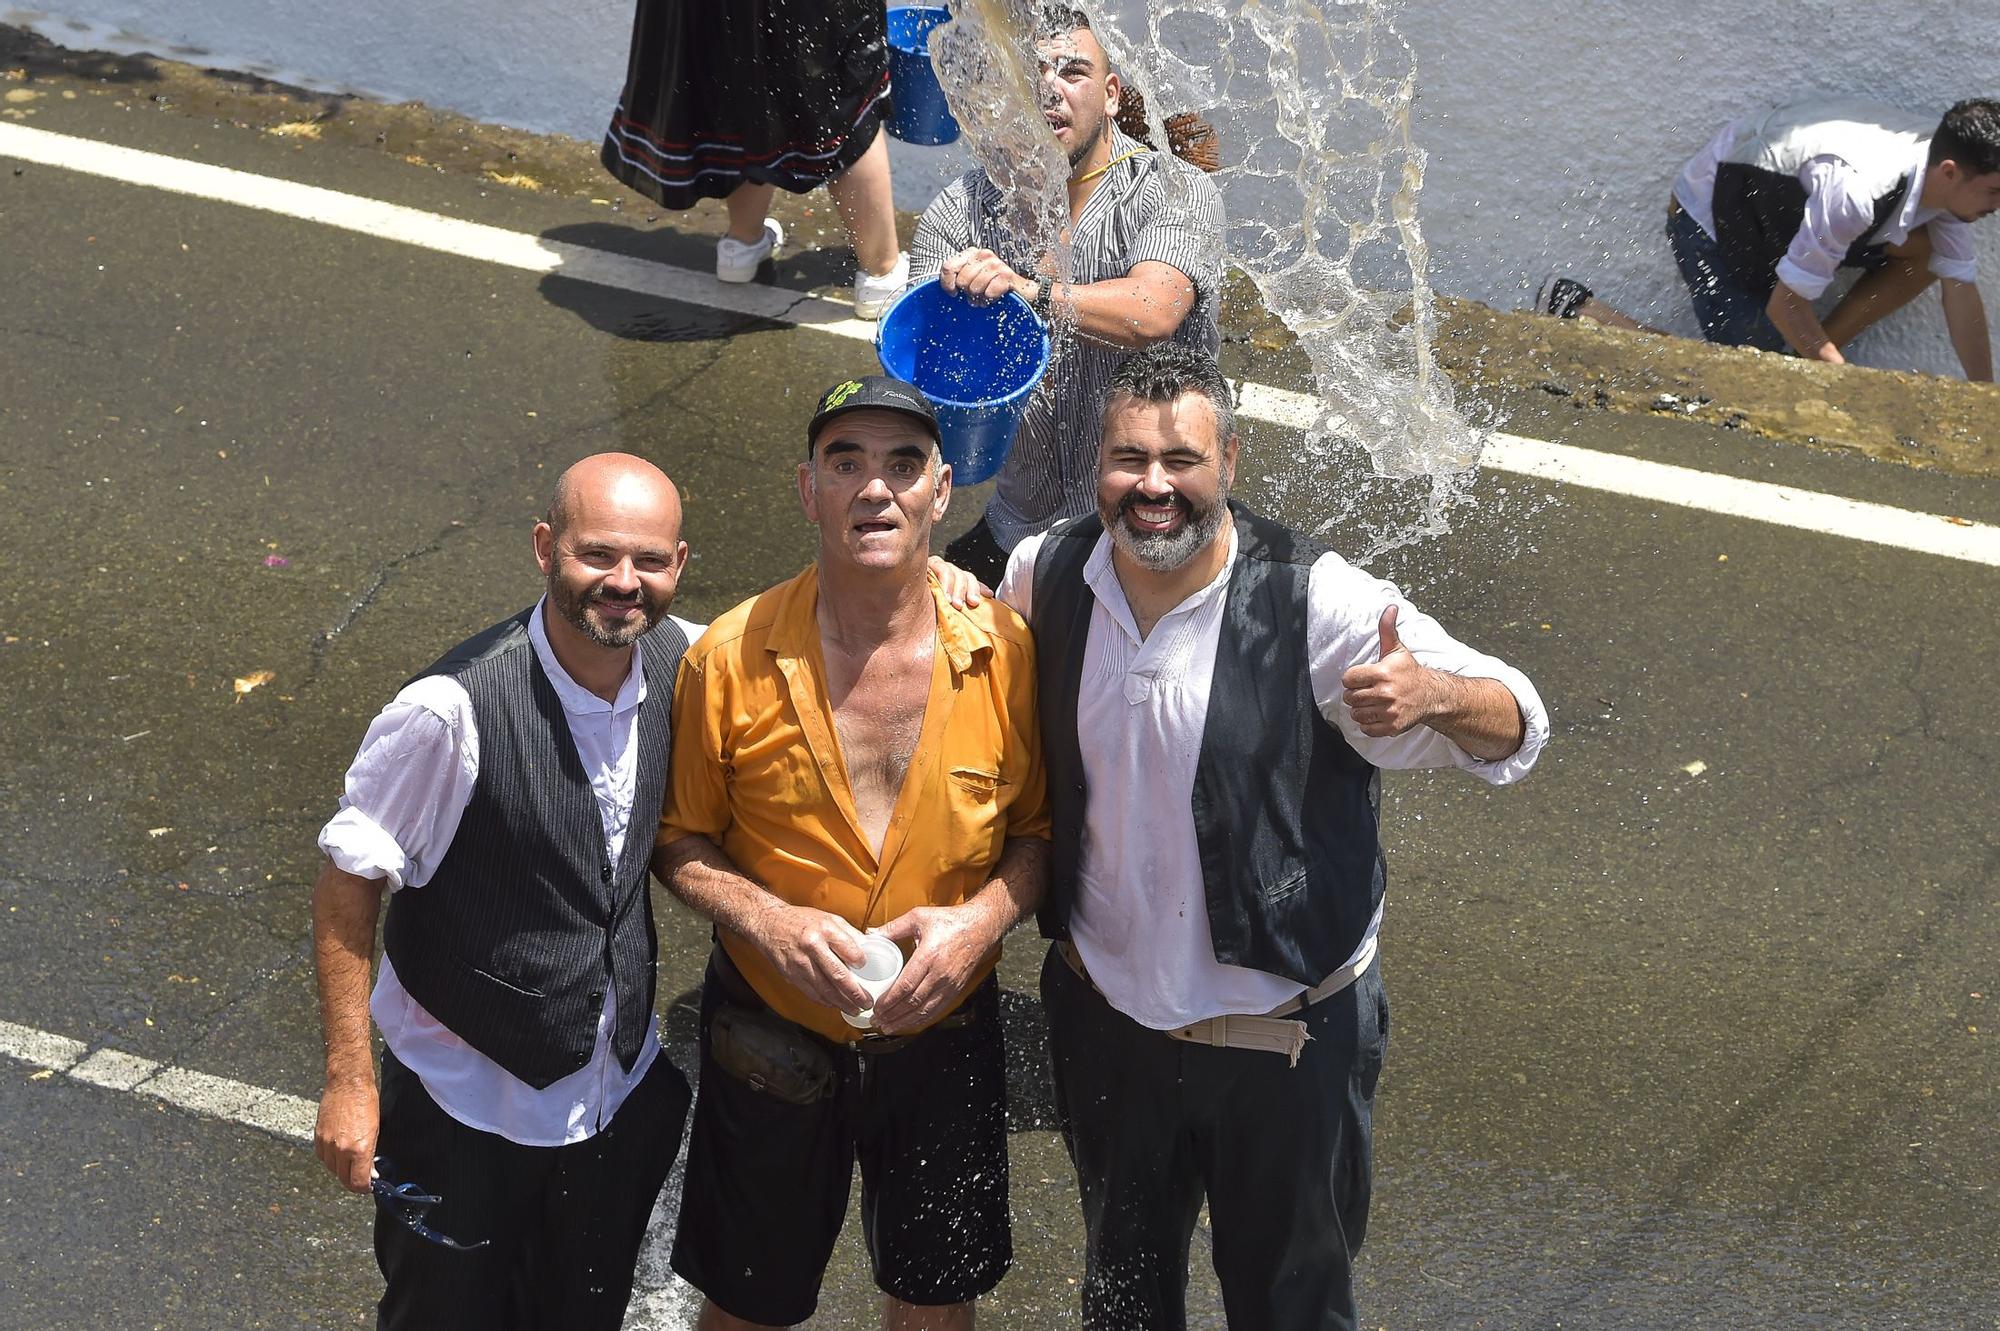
1217 694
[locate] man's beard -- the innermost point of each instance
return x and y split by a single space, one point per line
1164 551
574 610
1083 148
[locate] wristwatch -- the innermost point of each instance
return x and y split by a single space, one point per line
1044 287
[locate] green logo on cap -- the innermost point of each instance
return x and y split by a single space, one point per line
839 394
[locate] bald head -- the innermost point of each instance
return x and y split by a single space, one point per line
611 547
606 483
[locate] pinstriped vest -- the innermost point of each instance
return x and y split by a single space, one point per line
1284 808
526 925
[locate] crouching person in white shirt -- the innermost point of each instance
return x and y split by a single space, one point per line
525 1120
1217 695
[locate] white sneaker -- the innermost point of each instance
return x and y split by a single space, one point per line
872 294
737 262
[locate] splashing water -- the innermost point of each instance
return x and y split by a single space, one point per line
1320 179
986 63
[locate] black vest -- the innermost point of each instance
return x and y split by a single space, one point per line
1758 212
525 926
1284 809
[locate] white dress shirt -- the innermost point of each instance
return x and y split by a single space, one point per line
1141 920
1841 190
405 792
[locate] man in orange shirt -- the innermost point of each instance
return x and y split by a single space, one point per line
852 752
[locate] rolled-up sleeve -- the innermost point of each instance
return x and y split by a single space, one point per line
1185 229
1345 606
1838 213
408 786
1952 255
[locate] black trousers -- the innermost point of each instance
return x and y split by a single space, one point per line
1282 1154
565 1222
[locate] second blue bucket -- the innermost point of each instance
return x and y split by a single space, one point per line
921 115
976 363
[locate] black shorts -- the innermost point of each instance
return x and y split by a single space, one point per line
767 1181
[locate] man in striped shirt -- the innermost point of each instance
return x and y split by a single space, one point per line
1146 239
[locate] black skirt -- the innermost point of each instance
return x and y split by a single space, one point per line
723 92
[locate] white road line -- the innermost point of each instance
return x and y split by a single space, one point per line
56 1053
202 1093
1683 487
1758 501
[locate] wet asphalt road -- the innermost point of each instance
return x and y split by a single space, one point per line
1671 1048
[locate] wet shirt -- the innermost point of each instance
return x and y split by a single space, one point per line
1849 155
1141 917
404 795
1150 207
757 769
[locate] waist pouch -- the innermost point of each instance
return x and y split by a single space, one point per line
770 1054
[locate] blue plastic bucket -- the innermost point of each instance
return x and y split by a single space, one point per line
976 363
921 115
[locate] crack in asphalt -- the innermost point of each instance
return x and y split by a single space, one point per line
385 573
322 642
665 393
212 1021
63 339
146 999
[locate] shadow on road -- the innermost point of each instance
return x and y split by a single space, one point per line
642 318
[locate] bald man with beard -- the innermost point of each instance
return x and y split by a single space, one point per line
525 1120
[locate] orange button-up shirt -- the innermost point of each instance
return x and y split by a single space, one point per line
757 769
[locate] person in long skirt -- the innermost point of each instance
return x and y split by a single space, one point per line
736 100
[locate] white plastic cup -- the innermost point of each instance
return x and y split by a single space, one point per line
881 963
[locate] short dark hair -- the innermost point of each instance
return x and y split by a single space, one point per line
1168 370
1059 20
1969 134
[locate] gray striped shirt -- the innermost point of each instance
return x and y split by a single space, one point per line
1152 207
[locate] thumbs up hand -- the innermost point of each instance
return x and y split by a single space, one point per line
1395 694
1392 641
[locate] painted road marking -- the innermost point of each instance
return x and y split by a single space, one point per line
1566 464
259 1107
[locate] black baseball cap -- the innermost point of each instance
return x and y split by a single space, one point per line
878 391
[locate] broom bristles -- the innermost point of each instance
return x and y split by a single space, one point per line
1189 137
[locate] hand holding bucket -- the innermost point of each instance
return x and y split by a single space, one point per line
976 363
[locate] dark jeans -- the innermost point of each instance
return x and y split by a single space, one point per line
1730 313
978 552
565 1222
1282 1153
